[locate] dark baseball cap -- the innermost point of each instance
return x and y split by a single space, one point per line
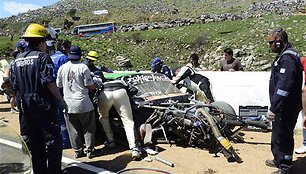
22 44
75 53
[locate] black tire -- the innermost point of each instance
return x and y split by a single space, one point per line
228 110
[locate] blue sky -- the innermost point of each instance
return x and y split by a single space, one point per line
14 7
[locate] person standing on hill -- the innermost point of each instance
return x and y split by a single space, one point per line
285 90
229 63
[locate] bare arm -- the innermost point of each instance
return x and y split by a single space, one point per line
55 91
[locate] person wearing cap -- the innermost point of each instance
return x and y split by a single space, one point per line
91 57
32 78
158 66
21 45
75 79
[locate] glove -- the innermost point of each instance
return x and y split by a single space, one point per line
98 82
270 116
64 106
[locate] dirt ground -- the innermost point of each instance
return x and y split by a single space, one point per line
254 151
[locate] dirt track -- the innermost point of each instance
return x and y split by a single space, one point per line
254 152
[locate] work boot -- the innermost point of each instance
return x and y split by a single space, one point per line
300 150
136 154
94 153
110 144
79 154
271 163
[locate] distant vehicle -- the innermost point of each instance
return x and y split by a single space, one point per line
92 29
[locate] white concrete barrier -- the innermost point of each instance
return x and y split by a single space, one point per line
242 88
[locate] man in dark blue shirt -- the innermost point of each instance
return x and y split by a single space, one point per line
285 90
32 78
158 66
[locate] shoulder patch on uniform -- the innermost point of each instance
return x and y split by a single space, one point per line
282 70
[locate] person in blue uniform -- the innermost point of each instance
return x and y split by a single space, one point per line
32 78
285 90
59 58
61 55
158 66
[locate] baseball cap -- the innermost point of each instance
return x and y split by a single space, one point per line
22 44
75 53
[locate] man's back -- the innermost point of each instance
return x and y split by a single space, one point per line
32 72
74 77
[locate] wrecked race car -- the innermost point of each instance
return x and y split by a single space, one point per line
162 113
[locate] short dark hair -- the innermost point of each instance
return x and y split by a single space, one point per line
62 44
229 51
194 57
34 41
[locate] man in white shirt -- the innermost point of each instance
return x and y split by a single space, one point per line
75 79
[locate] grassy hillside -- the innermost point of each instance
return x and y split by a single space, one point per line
175 45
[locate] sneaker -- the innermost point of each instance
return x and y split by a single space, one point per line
271 163
79 154
14 111
300 150
136 154
110 144
94 153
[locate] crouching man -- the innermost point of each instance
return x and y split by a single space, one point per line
115 94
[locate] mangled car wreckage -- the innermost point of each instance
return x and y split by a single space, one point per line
162 113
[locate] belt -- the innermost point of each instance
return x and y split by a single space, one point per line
113 86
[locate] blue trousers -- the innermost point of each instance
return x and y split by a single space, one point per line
44 134
282 142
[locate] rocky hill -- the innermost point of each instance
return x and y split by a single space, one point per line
173 29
